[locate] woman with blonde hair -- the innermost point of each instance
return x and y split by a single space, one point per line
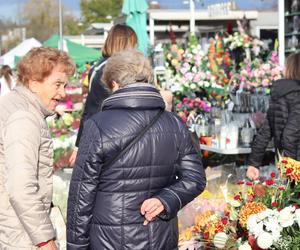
7 81
136 166
120 37
283 119
26 150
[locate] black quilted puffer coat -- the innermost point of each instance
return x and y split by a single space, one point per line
104 204
282 123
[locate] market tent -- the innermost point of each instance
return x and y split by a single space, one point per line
136 12
19 51
79 53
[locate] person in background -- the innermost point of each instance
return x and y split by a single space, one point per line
131 200
7 81
120 37
283 119
26 149
85 75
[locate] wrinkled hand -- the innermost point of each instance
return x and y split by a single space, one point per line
73 158
252 173
50 246
150 209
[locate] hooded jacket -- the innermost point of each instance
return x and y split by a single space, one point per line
104 204
26 168
97 93
282 123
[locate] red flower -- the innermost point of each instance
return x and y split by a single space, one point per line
237 197
273 174
206 236
274 204
227 213
241 183
270 182
284 161
281 188
248 183
224 221
289 171
252 242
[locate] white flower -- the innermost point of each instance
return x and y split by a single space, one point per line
193 86
272 224
254 227
245 246
206 84
220 240
286 216
264 240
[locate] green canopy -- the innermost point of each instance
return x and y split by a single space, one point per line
79 53
136 12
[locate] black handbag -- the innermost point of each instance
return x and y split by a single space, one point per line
136 139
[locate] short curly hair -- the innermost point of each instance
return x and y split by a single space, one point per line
127 67
38 64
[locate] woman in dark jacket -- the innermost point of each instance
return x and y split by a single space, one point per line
283 119
133 202
120 37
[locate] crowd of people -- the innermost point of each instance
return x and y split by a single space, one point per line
135 165
124 190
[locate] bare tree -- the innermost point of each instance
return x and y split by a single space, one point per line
42 19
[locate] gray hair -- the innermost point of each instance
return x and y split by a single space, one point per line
127 67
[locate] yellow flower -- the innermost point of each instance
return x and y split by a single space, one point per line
174 62
186 234
249 209
290 168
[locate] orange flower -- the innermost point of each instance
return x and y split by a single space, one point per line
213 227
201 220
249 209
259 190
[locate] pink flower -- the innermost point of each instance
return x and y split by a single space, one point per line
197 78
179 105
189 76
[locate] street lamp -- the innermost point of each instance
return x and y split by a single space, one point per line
61 42
192 14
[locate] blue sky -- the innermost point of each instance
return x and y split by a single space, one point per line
9 8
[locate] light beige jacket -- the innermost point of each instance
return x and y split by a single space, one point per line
26 160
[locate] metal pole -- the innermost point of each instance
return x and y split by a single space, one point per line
281 30
192 19
61 42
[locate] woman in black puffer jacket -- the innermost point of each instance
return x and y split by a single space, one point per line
120 37
283 119
131 204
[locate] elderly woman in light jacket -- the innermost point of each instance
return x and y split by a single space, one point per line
26 151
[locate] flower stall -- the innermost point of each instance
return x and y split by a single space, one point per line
263 214
222 90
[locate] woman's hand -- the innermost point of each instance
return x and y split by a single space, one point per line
73 157
150 209
252 173
49 246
